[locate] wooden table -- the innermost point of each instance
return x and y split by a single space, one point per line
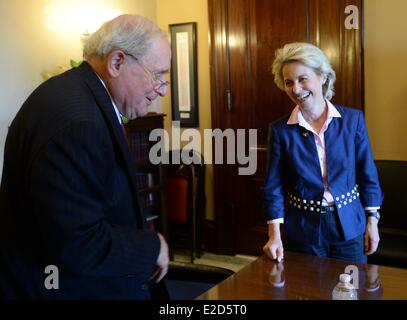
306 277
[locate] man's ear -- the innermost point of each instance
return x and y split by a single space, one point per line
115 61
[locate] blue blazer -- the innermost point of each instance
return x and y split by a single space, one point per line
294 186
68 198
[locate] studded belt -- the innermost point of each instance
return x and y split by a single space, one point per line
348 198
315 205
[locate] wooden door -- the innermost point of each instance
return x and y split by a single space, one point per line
244 36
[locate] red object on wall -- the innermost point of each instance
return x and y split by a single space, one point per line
177 201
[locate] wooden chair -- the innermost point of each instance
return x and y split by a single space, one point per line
393 222
185 200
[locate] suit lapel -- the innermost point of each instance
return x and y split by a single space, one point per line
103 101
306 139
333 145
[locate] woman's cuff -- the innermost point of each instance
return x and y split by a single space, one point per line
372 208
279 220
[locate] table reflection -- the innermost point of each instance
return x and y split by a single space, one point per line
276 275
370 286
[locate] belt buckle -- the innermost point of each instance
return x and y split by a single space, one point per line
326 209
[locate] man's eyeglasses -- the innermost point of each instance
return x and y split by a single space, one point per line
159 83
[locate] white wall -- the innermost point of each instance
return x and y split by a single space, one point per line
179 11
30 48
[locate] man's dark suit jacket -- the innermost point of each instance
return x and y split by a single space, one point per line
68 198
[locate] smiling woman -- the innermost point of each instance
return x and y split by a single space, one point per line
320 162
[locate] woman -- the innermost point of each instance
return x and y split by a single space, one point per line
322 182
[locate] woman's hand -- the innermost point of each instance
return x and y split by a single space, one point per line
274 246
371 236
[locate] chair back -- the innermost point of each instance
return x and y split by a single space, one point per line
393 180
186 281
185 197
393 222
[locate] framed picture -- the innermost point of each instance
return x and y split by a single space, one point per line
184 83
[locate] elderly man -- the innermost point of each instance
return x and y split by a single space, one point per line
70 223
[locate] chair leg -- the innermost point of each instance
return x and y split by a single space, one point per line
193 240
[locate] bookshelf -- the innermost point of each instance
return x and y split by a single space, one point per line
149 177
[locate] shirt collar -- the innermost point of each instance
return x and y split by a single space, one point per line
111 99
296 116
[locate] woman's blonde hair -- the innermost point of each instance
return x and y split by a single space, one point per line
308 55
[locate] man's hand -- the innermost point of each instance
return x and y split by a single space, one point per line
371 236
162 261
274 246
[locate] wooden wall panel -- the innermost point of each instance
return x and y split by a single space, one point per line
276 23
342 46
